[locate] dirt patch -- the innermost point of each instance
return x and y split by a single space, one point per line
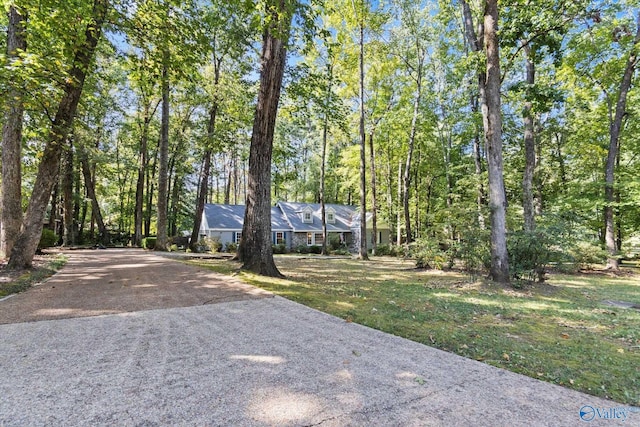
98 282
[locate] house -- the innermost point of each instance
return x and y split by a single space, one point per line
294 224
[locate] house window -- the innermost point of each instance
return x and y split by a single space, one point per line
237 236
331 217
310 239
278 238
318 239
306 217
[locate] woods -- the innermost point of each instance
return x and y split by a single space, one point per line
495 137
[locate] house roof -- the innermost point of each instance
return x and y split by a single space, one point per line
293 214
231 218
285 216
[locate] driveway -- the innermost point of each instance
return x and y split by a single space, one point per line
126 337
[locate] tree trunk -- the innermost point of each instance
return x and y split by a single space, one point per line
529 150
255 249
11 205
362 247
374 196
492 119
89 183
614 140
68 236
474 42
407 166
203 188
163 173
142 170
27 241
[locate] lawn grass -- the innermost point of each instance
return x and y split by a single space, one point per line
560 332
19 281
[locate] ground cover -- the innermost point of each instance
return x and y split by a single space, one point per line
568 331
44 266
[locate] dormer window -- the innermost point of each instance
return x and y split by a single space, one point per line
331 216
307 215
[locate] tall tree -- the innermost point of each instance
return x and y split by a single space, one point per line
11 204
615 128
27 241
163 148
255 249
492 119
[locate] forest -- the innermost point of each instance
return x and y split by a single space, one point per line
500 135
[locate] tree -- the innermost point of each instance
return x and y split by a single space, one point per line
615 129
27 241
11 206
255 249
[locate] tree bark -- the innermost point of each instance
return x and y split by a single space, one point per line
530 150
255 250
474 42
203 188
142 168
163 170
69 235
362 247
374 195
407 167
11 205
89 182
492 119
614 143
27 241
323 164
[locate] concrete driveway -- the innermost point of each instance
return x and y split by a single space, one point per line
249 360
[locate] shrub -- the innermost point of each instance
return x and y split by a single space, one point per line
315 249
474 251
303 249
341 251
231 247
334 242
279 248
584 254
47 239
213 244
427 254
149 242
383 250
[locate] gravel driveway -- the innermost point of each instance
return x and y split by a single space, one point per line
133 339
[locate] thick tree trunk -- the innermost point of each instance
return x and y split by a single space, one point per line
163 173
323 166
255 249
530 151
27 241
203 187
362 247
11 205
492 118
614 143
89 183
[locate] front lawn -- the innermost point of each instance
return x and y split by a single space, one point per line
562 331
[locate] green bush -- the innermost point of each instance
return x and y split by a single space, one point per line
303 249
213 244
428 254
334 242
341 251
47 239
474 251
315 249
383 250
149 242
231 247
279 248
585 254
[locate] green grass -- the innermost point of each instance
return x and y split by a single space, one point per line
559 332
28 278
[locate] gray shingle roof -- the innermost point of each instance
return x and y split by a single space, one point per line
293 213
231 217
